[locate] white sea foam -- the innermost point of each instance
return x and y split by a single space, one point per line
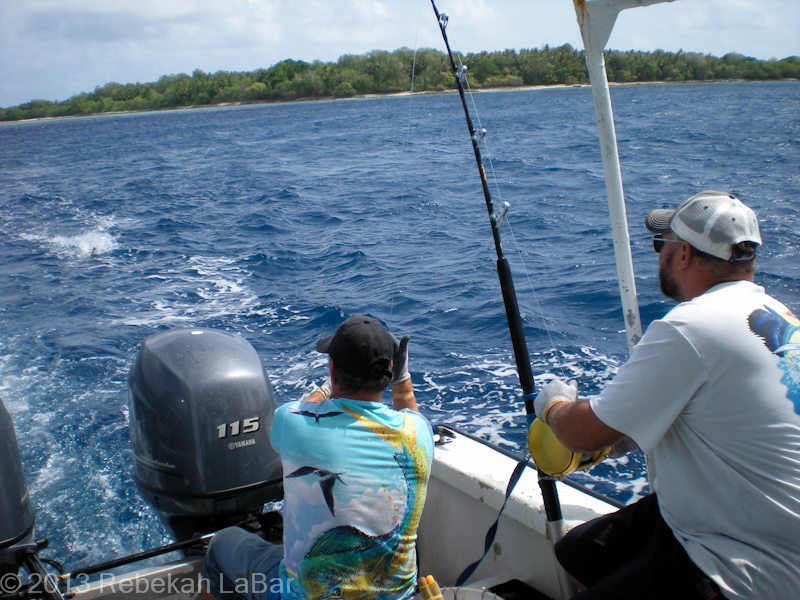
202 290
304 372
483 397
53 472
96 241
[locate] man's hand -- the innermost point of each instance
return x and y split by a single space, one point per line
402 387
323 392
325 389
553 393
573 422
400 362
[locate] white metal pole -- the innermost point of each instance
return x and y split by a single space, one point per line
615 194
596 19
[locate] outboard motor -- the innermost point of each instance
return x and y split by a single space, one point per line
201 405
16 513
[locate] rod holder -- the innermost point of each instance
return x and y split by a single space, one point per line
503 213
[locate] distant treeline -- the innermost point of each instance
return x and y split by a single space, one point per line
380 72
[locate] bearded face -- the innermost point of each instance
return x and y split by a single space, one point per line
669 287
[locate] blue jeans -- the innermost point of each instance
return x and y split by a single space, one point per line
242 566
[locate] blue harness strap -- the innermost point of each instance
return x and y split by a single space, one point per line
493 529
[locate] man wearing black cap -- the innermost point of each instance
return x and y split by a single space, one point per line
355 476
711 394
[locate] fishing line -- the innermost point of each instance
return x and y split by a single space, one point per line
494 179
484 142
413 74
547 486
481 128
407 142
559 364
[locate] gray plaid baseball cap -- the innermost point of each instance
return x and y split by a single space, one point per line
713 222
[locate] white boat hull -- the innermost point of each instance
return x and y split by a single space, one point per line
466 491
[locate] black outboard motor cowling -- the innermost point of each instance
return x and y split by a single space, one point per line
16 513
201 405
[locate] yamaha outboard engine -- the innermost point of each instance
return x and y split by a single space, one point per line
201 406
16 513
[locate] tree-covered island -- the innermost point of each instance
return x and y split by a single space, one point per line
381 72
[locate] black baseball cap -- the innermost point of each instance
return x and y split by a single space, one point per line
361 347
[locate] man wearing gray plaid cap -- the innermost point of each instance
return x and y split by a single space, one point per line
711 394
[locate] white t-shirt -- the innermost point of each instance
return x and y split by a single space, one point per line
711 393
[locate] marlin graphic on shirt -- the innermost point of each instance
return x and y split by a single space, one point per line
781 334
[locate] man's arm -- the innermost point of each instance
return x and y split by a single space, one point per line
315 396
579 429
403 395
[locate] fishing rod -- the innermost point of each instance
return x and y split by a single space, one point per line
547 484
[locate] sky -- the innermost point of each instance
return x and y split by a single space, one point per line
54 49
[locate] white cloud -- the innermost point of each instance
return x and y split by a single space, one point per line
764 29
53 49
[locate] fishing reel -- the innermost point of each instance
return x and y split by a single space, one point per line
552 457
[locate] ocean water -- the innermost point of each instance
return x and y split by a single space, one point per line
278 221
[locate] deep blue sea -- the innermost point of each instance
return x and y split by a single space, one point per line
278 221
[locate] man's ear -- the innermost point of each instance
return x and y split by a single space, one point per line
684 256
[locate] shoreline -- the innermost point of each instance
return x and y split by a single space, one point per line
389 95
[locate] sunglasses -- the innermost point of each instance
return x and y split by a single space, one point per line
659 241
